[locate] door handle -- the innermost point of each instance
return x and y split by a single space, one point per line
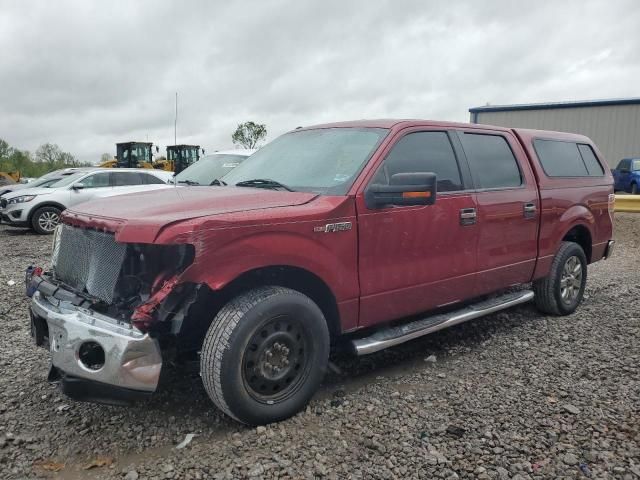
468 216
529 210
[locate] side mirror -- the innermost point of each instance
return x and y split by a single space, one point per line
78 186
404 189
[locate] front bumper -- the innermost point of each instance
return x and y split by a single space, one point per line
131 359
16 215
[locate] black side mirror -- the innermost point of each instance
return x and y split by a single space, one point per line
403 189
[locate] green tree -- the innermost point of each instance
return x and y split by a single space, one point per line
49 154
248 134
5 149
48 157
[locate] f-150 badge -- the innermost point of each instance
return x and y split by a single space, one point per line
333 227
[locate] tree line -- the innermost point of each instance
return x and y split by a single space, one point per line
47 157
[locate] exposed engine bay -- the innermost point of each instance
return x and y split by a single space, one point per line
116 278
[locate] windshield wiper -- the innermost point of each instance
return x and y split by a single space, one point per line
263 183
189 182
218 182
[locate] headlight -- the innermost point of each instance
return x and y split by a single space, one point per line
21 199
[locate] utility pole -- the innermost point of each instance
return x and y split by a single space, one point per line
175 123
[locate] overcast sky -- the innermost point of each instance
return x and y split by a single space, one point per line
88 74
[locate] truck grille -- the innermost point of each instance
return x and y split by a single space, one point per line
88 261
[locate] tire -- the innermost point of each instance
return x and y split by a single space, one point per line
45 219
634 189
561 292
264 325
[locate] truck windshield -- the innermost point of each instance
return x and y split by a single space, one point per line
323 160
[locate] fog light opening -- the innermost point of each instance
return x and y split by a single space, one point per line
91 356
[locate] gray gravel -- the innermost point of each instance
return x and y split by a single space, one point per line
515 395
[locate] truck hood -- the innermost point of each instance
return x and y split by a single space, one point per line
144 214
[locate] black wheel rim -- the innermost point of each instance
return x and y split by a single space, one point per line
276 360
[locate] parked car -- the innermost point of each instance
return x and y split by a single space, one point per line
211 167
367 233
627 176
40 208
43 181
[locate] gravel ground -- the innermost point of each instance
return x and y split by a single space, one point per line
514 395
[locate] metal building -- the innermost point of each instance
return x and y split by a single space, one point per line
614 125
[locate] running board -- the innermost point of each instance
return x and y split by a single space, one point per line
402 333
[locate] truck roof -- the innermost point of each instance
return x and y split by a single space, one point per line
401 123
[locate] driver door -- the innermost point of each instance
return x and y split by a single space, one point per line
416 258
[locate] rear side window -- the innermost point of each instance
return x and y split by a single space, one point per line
591 162
567 159
152 179
491 160
122 179
423 152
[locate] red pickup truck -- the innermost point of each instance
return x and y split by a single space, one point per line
370 233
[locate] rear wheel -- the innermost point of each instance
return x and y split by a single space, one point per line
634 189
265 355
561 292
45 220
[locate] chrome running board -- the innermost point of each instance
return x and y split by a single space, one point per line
402 333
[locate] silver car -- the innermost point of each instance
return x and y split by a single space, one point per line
44 180
40 208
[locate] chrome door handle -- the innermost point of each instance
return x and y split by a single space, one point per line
468 216
529 210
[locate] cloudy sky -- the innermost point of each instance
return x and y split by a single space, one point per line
87 74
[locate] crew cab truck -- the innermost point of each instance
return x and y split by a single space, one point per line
370 233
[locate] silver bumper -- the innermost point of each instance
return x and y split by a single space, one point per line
132 358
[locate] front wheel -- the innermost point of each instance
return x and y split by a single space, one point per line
265 355
562 290
45 220
634 189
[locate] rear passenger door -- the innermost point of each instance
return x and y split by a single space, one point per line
507 213
415 258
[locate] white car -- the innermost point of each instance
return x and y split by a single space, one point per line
212 167
40 208
43 181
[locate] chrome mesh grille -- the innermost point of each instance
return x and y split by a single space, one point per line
89 261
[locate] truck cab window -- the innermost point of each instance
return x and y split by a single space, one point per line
492 162
423 152
591 162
